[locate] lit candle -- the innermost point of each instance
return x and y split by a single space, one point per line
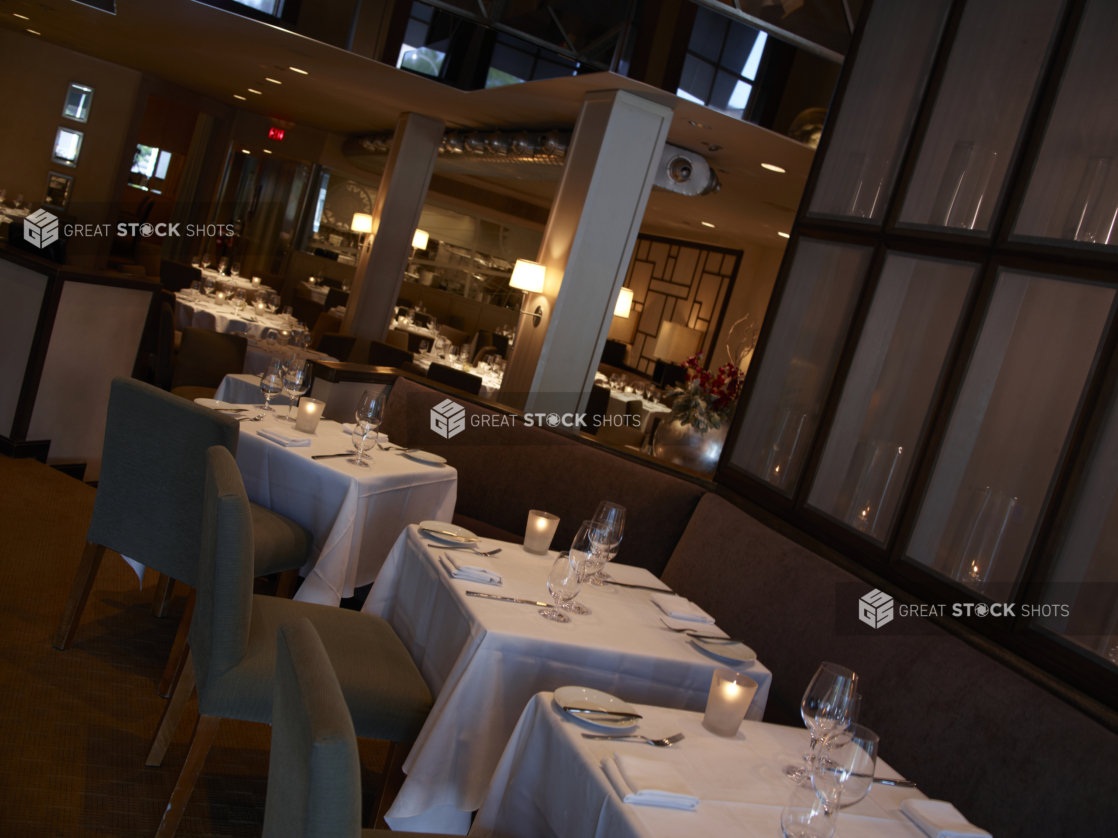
539 532
729 698
310 411
219 296
260 306
256 280
284 337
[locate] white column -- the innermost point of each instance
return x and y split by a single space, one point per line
586 249
403 189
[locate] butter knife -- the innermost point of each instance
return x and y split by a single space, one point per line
616 714
328 456
642 587
509 599
451 534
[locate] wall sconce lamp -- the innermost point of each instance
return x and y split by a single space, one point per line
362 223
624 303
529 276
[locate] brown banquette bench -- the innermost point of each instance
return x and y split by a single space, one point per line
1013 757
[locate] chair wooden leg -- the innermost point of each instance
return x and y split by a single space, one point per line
164 590
285 587
79 594
172 713
204 733
178 649
393 780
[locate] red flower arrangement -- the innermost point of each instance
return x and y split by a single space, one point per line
706 399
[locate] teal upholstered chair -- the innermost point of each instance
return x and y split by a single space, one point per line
314 772
149 502
232 655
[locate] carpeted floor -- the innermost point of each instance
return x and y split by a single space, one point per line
75 726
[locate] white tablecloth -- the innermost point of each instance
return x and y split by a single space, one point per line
484 660
415 330
635 405
244 389
550 782
201 312
490 381
239 282
354 514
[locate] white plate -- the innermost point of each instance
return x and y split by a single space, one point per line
464 536
731 651
425 457
585 698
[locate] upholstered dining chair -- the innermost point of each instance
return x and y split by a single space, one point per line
337 345
314 771
325 323
444 374
232 657
205 358
149 504
383 355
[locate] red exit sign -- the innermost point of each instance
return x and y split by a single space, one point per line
275 134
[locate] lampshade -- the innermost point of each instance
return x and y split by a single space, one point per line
676 343
362 223
624 303
528 276
419 240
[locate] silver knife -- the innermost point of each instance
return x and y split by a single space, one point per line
642 587
451 534
907 784
328 456
509 599
712 637
613 713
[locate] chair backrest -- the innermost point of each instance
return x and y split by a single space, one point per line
306 311
596 406
175 276
336 297
404 302
153 473
337 345
223 608
326 322
422 320
397 338
330 282
383 355
485 352
314 770
455 378
456 336
165 347
206 357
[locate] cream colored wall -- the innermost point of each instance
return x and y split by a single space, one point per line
752 289
34 77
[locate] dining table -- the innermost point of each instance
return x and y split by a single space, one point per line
551 781
634 404
260 353
490 378
200 311
483 660
353 513
240 283
317 293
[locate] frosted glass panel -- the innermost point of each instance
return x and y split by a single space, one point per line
991 77
1085 578
799 360
1009 424
1073 191
878 108
888 393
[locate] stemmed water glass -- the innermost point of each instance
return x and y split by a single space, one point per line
849 761
296 381
371 407
205 261
424 347
271 382
209 284
609 522
829 707
236 269
812 810
563 583
364 436
239 301
584 553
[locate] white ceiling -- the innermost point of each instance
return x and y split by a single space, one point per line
219 54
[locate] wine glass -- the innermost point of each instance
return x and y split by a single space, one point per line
205 261
296 381
271 382
609 520
585 555
371 407
196 262
222 264
196 288
239 300
424 347
563 583
829 706
287 312
364 435
454 352
850 759
236 269
810 813
208 284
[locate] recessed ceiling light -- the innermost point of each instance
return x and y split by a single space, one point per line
257 92
772 168
266 151
297 70
707 224
273 81
21 17
784 235
246 151
239 96
33 32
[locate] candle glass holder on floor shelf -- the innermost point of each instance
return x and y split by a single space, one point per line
271 383
296 381
829 707
563 583
609 522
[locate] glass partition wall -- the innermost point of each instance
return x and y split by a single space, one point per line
934 393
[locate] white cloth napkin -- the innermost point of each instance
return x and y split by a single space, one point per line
939 819
285 440
689 625
469 573
649 782
681 609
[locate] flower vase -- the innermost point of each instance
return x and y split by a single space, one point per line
684 445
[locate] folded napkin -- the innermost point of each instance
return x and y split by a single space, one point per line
939 819
649 782
285 440
689 625
469 573
681 608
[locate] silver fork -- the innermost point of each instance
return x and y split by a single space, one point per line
255 418
466 549
666 742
